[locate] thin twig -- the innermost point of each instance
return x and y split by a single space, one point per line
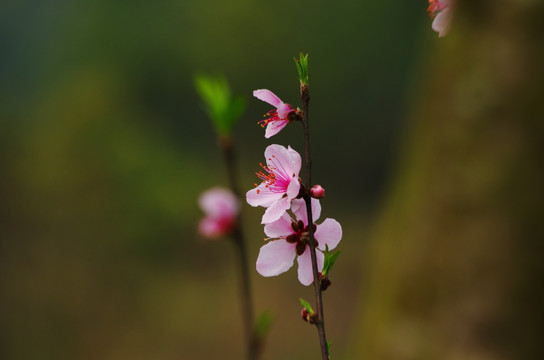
320 322
240 243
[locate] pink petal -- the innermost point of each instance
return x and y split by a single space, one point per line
276 210
219 202
262 196
210 228
274 127
275 258
284 110
328 233
278 159
295 160
293 188
441 23
298 206
267 96
305 272
279 228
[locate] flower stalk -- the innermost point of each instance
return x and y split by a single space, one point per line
252 342
320 320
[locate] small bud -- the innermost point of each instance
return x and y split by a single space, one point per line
325 283
308 317
317 192
305 314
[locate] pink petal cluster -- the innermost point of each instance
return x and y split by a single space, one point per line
288 240
280 182
221 207
441 11
278 118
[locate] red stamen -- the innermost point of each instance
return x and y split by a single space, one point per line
434 7
272 116
274 177
269 179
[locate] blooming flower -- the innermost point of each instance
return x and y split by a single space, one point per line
280 182
221 207
278 118
289 237
441 11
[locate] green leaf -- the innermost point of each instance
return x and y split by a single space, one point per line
330 259
329 349
302 68
221 106
307 306
263 323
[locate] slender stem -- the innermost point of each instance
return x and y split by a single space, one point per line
247 304
240 244
320 322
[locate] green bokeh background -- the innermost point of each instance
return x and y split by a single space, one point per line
105 148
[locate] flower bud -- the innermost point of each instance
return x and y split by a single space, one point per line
221 208
307 316
325 283
317 192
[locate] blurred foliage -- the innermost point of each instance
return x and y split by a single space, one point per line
222 107
262 324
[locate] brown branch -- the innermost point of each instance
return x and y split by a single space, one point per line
320 322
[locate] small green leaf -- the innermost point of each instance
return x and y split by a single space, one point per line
330 259
329 349
307 306
263 323
223 109
302 68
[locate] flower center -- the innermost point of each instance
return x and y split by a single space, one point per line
435 6
269 178
301 236
272 116
274 176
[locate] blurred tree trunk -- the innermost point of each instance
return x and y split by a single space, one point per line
455 265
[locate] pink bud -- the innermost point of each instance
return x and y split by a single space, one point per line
317 192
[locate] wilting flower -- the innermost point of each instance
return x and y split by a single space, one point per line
278 118
289 239
280 184
441 11
221 207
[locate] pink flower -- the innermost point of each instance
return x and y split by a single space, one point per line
278 118
280 182
221 207
289 238
441 11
